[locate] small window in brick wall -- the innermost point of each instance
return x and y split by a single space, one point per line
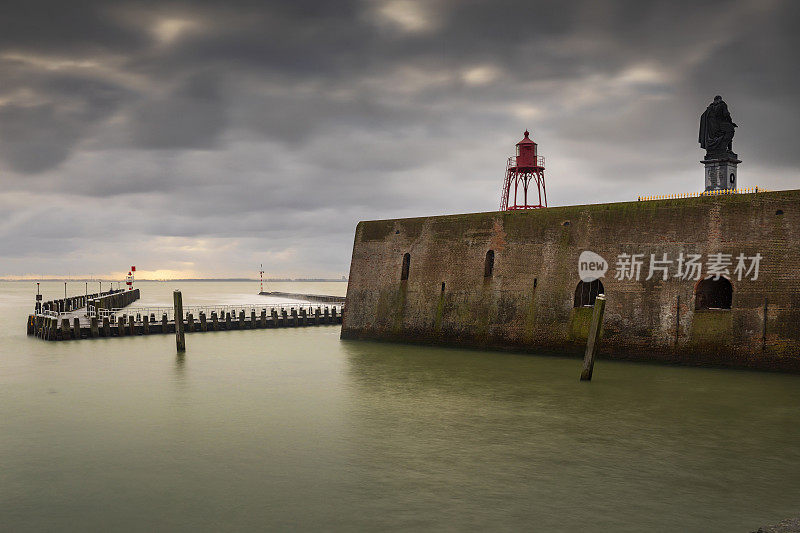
488 264
586 292
406 266
713 293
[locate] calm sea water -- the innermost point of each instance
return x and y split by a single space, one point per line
295 429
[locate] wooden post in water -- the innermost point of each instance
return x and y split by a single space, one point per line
180 340
764 328
594 337
95 331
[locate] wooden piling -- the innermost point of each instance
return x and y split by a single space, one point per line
594 337
93 329
106 327
764 327
65 329
263 318
53 329
180 340
203 323
76 328
164 323
227 320
145 325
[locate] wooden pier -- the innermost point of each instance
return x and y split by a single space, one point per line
122 322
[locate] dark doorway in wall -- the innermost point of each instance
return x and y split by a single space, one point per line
586 293
488 264
713 293
406 267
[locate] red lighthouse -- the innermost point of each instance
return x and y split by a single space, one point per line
521 170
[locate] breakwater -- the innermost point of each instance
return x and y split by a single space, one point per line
323 298
196 319
57 318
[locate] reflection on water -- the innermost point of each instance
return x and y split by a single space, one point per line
293 428
180 363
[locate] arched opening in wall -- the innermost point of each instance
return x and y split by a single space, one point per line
586 292
406 266
488 264
713 293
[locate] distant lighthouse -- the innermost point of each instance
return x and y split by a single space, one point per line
522 169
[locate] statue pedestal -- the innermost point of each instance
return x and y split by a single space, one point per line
721 171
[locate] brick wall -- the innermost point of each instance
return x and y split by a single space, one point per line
528 302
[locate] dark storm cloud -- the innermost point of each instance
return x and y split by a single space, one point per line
218 135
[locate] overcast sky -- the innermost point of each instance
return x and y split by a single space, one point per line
202 139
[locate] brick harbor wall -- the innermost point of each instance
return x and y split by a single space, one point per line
527 303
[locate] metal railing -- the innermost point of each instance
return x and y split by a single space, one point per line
512 161
716 192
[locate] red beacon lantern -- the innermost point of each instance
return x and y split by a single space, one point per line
521 170
129 278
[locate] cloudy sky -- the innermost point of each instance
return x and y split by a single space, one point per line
201 139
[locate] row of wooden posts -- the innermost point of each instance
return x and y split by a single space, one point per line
51 328
71 303
118 300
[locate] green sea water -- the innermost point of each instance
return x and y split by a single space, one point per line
294 429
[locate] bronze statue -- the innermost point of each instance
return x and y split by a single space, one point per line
717 129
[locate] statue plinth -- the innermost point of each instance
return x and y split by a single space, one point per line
721 170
